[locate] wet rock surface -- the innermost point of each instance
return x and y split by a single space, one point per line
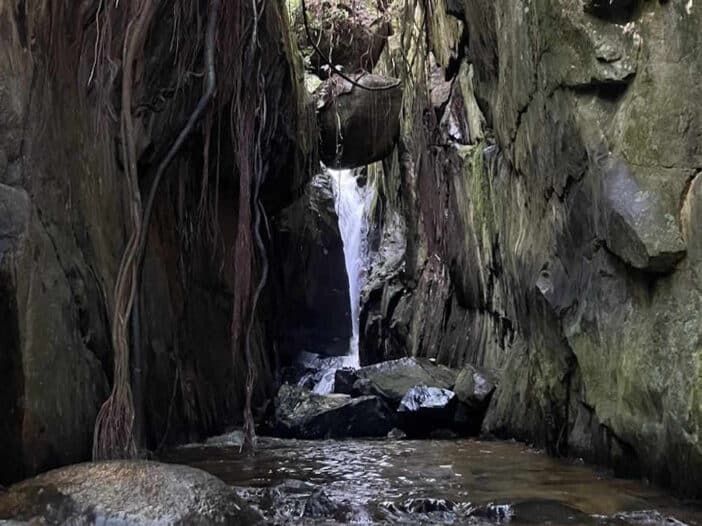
545 225
301 413
416 395
391 380
126 492
316 292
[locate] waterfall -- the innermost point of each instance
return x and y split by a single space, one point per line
350 203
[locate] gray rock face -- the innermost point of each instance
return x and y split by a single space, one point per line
559 245
126 492
299 413
314 288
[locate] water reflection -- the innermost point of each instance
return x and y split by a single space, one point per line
458 481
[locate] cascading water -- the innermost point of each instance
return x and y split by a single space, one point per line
350 203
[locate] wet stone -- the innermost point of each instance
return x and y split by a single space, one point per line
300 413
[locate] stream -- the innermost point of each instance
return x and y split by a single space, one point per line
429 482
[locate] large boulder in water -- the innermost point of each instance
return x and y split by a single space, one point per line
126 492
358 125
300 413
426 409
391 380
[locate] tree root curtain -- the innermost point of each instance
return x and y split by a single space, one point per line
152 300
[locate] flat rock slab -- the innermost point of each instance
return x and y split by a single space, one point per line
126 492
300 413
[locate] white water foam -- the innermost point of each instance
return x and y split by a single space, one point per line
351 203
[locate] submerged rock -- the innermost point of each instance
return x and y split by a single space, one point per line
319 505
300 413
397 434
126 492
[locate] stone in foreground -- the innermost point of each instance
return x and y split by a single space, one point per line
126 492
300 413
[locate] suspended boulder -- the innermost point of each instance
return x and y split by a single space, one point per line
359 123
349 35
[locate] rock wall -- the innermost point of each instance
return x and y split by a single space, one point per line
542 215
63 228
313 285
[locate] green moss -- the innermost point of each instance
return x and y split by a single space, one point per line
480 190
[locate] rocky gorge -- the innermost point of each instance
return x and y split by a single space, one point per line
415 221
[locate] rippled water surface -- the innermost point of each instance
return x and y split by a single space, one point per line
451 481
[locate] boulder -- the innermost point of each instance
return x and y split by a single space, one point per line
362 387
393 379
474 386
300 413
358 126
423 410
428 400
126 492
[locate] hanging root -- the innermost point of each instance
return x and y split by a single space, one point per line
113 435
250 132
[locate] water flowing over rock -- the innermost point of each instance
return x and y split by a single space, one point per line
351 203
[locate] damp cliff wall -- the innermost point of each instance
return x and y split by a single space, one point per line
542 215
